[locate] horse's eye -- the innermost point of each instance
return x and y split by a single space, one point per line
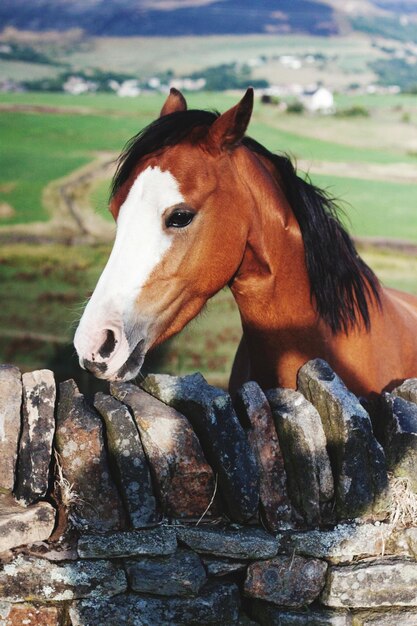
179 219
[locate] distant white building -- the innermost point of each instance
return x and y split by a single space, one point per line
319 100
77 85
129 89
188 84
293 62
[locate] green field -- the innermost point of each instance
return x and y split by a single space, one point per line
345 58
45 146
46 286
369 163
381 209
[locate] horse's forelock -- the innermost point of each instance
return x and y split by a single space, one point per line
168 130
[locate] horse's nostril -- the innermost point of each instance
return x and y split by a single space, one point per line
108 346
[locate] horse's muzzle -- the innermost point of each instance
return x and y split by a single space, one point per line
133 364
111 354
127 371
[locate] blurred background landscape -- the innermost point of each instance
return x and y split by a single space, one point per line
336 88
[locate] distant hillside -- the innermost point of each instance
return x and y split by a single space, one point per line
171 17
398 6
208 17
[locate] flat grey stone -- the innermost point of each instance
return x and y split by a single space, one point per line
275 506
391 618
222 567
403 542
10 423
358 460
303 443
343 543
38 580
180 574
152 542
244 543
216 605
128 457
4 611
407 390
380 583
286 580
400 421
64 549
349 541
185 482
222 437
35 450
79 441
267 614
21 526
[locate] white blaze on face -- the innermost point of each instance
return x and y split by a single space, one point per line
140 244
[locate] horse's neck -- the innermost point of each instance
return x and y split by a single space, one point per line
273 273
272 288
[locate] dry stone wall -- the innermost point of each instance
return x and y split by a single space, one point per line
169 504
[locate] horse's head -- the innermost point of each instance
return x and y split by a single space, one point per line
178 203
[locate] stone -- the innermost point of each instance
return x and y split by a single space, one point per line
10 424
244 620
407 390
64 549
222 567
29 615
4 612
390 618
303 443
349 541
275 506
217 604
94 502
37 580
127 456
35 450
286 580
374 584
343 543
184 480
400 421
180 574
222 437
242 543
24 525
152 542
402 541
357 459
267 614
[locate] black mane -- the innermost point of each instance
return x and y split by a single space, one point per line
168 130
341 282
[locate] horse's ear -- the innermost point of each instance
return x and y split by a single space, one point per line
175 102
230 127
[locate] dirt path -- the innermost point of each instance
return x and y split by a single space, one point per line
42 108
394 172
72 219
73 198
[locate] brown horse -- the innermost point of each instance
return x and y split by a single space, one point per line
200 206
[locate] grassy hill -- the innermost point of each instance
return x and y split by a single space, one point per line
354 157
140 17
124 18
370 163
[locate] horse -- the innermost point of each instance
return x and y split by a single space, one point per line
199 206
